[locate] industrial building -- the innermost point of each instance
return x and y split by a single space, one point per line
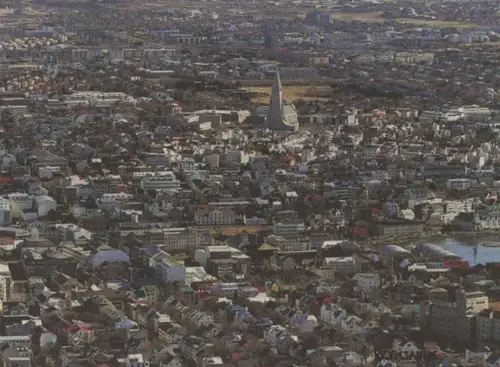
392 254
432 252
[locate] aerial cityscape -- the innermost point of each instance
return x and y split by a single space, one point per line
249 183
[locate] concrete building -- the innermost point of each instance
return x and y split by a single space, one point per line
392 254
5 212
168 268
288 230
270 34
160 181
280 116
433 252
488 325
342 265
457 319
223 261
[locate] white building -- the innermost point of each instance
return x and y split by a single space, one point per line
490 223
45 204
160 181
23 201
168 268
110 202
71 232
135 360
214 217
341 265
3 289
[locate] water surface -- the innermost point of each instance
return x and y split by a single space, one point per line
466 251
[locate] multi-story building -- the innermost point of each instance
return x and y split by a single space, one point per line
341 265
6 282
396 227
160 181
459 183
319 17
181 239
439 170
40 158
214 217
457 319
270 34
21 200
110 202
71 232
367 281
488 325
5 212
168 268
223 261
151 53
288 230
459 206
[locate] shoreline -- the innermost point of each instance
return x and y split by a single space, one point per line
464 244
485 239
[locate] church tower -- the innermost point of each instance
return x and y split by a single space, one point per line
281 116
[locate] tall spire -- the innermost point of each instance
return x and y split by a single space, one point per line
276 101
279 116
277 82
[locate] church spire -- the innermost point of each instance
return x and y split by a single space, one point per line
276 93
279 116
277 82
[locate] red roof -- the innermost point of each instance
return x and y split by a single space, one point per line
5 179
361 230
75 327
